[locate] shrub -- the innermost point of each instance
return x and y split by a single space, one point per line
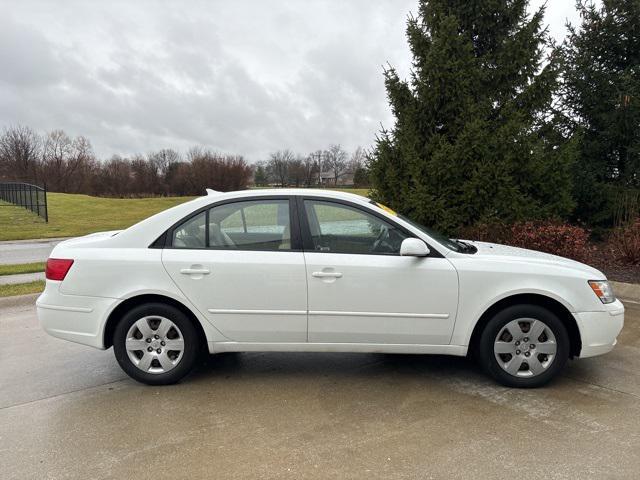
553 237
624 243
486 232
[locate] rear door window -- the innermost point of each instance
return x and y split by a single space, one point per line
191 233
251 225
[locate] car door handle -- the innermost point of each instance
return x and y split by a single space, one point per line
326 274
195 271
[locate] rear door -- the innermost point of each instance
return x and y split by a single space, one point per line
241 264
361 290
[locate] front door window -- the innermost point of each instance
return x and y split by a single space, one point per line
337 228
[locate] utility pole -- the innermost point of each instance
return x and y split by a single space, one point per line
319 156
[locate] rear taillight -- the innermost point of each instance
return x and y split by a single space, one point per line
57 268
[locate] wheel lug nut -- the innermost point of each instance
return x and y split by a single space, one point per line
150 349
526 339
159 350
518 342
148 340
517 352
156 337
162 343
533 346
527 354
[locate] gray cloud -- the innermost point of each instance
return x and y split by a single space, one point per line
244 77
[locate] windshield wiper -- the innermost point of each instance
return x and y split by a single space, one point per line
464 246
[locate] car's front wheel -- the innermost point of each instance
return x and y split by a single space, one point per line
156 344
524 346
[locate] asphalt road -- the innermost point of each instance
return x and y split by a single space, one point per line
26 251
67 412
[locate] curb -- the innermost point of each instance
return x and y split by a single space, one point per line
21 278
34 240
19 300
627 291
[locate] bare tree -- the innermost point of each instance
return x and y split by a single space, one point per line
80 164
66 162
56 152
359 168
311 166
357 160
178 178
335 160
217 171
161 163
146 179
297 171
69 165
114 177
278 165
163 159
20 154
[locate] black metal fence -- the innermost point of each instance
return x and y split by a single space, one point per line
31 197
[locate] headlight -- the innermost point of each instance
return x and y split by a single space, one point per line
603 290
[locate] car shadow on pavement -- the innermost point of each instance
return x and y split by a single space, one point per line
460 373
295 364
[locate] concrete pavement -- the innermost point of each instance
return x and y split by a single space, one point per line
67 411
26 251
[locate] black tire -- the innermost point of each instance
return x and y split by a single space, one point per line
487 356
189 333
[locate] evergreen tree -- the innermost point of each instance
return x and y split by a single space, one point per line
602 96
471 141
361 177
260 178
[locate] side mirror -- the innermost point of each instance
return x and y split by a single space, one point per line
413 247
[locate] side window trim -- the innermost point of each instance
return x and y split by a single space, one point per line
165 240
244 220
206 228
307 240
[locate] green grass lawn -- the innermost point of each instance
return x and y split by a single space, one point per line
21 268
21 288
73 215
358 191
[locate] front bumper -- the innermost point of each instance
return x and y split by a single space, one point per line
76 318
599 330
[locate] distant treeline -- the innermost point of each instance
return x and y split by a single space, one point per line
69 165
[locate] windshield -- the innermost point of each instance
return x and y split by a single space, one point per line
440 238
454 245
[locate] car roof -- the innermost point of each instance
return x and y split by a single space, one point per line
314 192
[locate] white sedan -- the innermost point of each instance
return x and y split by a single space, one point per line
321 271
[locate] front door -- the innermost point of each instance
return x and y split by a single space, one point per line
238 265
362 291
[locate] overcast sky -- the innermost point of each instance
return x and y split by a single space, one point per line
245 77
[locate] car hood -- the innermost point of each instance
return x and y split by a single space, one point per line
505 252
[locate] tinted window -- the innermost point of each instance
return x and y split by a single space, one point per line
339 228
251 225
191 234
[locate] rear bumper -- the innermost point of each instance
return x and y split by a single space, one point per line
76 318
599 330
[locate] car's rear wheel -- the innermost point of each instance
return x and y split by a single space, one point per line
524 346
156 344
